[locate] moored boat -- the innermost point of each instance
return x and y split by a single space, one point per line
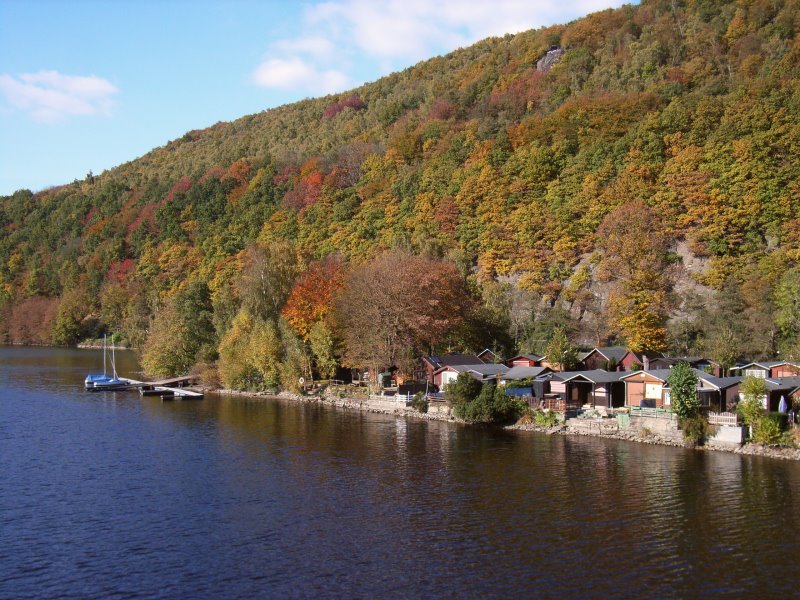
94 378
105 382
114 383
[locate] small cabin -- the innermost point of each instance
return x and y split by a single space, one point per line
601 389
649 389
525 360
615 358
769 369
428 365
482 373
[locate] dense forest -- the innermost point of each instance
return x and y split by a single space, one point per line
629 177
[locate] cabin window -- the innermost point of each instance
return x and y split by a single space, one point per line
756 373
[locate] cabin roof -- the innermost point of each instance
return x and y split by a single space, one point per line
533 357
777 384
521 372
692 360
660 374
767 364
487 353
452 358
608 352
594 376
719 383
481 368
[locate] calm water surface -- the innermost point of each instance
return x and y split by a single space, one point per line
110 495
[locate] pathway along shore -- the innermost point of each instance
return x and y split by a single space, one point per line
366 405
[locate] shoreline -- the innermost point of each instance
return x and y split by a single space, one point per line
747 449
99 346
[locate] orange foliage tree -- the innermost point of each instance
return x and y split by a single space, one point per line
311 298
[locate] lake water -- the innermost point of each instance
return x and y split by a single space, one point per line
113 496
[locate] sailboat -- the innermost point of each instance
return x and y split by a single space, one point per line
92 379
98 383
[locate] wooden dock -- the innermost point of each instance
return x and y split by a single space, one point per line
168 393
167 390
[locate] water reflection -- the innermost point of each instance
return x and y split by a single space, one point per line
111 494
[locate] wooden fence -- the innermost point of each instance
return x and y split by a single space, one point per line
726 418
655 413
558 404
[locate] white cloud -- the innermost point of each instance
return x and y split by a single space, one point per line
403 29
297 74
316 46
51 96
393 34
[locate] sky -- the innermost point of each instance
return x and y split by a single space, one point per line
86 85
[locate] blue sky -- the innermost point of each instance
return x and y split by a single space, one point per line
87 85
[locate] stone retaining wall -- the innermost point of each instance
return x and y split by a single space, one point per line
726 435
665 428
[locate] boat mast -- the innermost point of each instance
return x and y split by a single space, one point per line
104 355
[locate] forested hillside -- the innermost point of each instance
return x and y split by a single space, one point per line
641 186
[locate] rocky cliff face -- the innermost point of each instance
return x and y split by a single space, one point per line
546 63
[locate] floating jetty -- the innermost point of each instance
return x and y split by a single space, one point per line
167 389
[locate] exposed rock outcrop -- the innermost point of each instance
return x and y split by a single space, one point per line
548 60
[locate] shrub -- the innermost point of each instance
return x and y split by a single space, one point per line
545 418
695 429
479 410
461 391
526 418
793 437
419 402
491 405
767 430
208 375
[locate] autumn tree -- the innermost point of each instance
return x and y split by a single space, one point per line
322 344
540 329
311 297
237 370
31 320
560 352
114 299
634 262
182 333
135 323
257 354
68 325
722 326
267 278
787 315
396 306
724 346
